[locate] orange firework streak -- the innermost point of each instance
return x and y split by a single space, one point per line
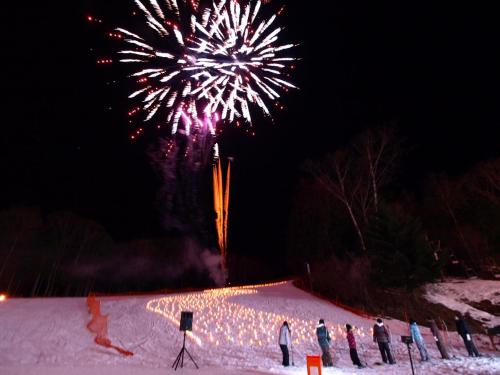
221 205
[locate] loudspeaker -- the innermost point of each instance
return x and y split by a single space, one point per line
186 321
407 340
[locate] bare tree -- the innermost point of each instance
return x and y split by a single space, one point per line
485 181
451 196
380 149
356 174
18 227
335 174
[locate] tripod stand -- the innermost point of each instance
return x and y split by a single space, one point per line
180 356
411 359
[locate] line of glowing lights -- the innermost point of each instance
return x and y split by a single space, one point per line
219 321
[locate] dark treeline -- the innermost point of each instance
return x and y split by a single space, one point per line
352 220
62 254
361 231
48 254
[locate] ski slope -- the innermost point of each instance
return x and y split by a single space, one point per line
234 332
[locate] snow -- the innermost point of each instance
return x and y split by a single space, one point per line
235 331
458 294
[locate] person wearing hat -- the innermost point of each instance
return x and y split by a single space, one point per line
463 331
324 342
351 341
382 337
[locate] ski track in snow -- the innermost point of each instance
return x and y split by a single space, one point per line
234 332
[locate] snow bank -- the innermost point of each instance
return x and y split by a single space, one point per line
234 332
457 295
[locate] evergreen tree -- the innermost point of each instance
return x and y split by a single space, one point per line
399 252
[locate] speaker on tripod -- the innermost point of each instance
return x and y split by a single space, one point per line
185 325
408 340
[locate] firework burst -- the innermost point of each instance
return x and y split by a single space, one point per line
205 63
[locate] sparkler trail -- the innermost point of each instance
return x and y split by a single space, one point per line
219 59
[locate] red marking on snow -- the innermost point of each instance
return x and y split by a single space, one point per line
99 326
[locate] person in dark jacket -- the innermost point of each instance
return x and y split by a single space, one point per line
418 340
352 347
284 342
324 342
438 338
463 331
382 337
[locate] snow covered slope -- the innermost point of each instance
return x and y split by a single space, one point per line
460 295
234 332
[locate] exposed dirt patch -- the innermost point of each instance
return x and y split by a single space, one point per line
487 306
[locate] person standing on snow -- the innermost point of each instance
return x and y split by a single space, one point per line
463 331
439 339
382 338
352 347
285 341
324 342
418 340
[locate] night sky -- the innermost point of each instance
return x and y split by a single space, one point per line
431 71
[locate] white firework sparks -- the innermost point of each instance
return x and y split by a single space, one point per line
223 60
